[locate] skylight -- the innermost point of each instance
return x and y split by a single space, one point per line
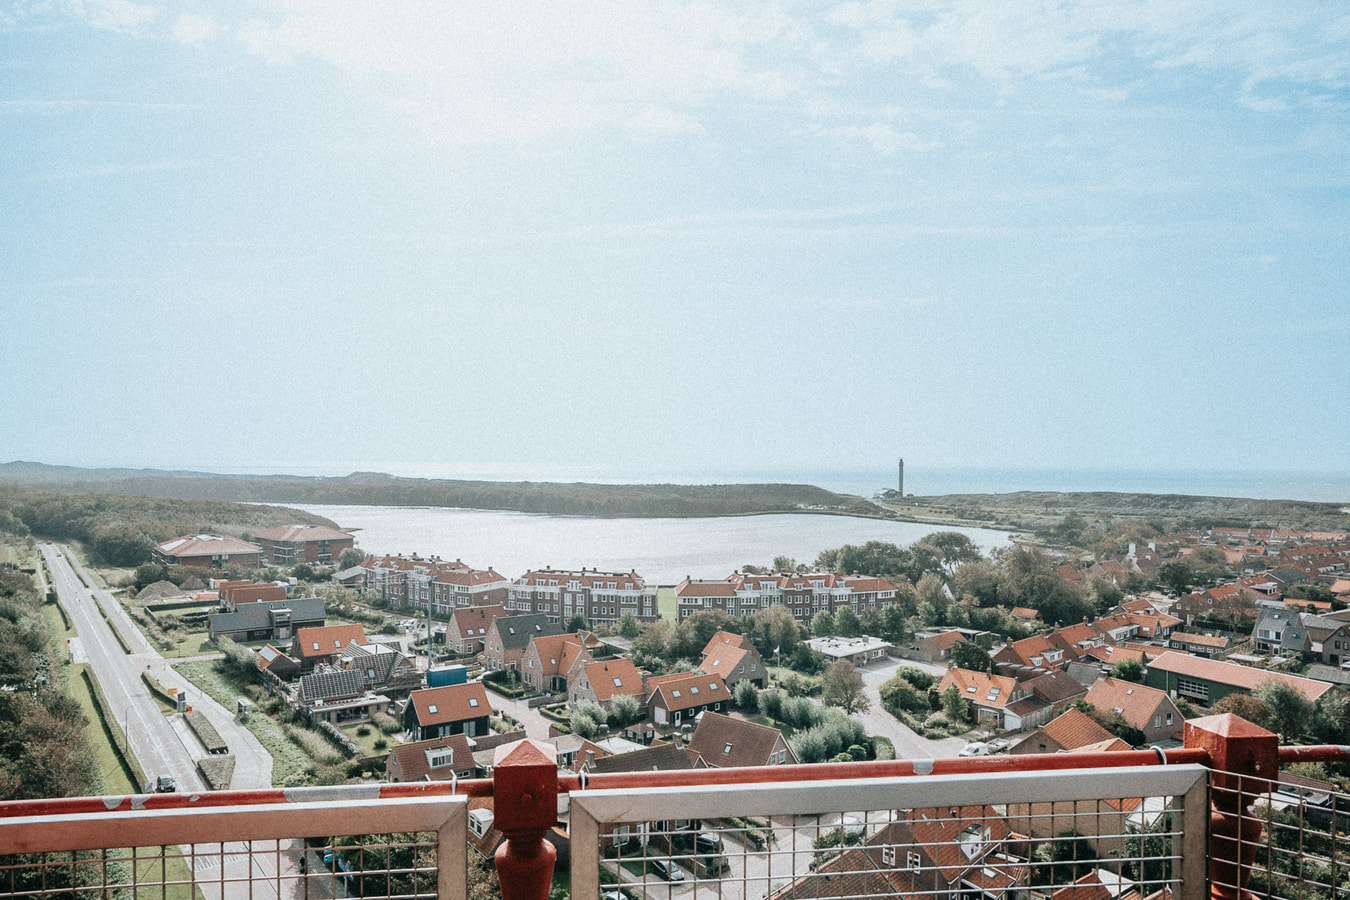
431 708
473 701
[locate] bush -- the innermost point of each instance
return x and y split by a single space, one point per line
381 743
363 730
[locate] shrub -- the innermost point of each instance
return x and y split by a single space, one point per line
363 730
381 743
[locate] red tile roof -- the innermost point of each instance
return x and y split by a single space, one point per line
614 678
327 640
450 703
302 533
1073 729
1179 663
1135 702
690 689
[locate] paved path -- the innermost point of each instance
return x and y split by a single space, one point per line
876 720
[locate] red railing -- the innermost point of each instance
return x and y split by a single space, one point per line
1243 760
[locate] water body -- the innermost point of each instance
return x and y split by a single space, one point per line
663 551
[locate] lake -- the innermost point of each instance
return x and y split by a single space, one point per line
663 551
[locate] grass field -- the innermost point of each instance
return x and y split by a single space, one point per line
287 756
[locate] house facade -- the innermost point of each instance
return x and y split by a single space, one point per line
598 597
735 659
509 636
208 551
435 586
605 681
467 629
802 593
289 545
443 711
673 700
1150 710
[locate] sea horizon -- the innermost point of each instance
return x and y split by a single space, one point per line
1270 484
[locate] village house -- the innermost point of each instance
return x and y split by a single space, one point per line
605 681
967 851
466 631
269 620
1279 630
1070 730
313 646
735 658
1328 639
934 648
287 545
451 709
675 699
1148 709
857 650
986 696
383 668
725 742
438 759
1056 688
235 593
208 551
551 661
337 696
598 597
1213 646
509 636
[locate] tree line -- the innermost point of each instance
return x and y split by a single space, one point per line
122 530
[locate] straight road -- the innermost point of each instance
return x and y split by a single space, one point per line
164 745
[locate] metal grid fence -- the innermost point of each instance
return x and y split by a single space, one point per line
347 847
1303 848
1102 834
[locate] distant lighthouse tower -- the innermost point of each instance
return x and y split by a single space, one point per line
902 478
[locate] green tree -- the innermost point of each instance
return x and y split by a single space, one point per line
1290 712
899 695
625 710
1331 724
945 552
822 625
629 626
1245 706
1128 670
847 623
303 571
784 564
1176 575
970 655
746 696
577 622
953 704
843 687
350 557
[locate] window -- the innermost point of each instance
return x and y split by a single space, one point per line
675 694
473 701
727 747
432 709
888 856
693 689
913 861
618 682
1157 721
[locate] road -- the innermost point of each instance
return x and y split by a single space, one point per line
164 745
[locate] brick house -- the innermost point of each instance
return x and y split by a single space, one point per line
598 597
208 551
1148 709
435 586
987 696
934 648
509 636
604 681
735 658
288 545
802 593
551 661
466 631
1070 730
234 593
438 759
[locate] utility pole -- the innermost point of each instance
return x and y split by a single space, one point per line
902 478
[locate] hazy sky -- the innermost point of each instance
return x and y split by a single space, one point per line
676 235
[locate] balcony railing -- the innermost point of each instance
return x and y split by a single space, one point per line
1207 821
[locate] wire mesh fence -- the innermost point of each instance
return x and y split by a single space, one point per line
1298 836
1111 836
293 851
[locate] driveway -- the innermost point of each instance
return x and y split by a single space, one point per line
876 720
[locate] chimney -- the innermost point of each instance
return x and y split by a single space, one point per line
678 744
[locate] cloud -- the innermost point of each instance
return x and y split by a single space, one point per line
194 30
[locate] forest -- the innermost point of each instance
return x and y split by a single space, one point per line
122 530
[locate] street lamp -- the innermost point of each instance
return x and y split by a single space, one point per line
126 732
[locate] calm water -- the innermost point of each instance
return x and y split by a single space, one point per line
661 550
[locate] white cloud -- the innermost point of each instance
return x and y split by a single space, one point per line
194 30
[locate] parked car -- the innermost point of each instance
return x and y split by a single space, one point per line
976 748
164 784
667 870
708 842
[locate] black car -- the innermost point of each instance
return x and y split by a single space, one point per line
667 870
708 842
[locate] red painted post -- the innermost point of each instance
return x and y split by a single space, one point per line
1245 758
525 807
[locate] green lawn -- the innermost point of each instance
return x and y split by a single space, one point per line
665 603
287 756
367 742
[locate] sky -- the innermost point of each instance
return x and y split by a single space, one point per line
659 237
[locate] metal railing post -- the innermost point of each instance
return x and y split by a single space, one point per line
1245 761
525 807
